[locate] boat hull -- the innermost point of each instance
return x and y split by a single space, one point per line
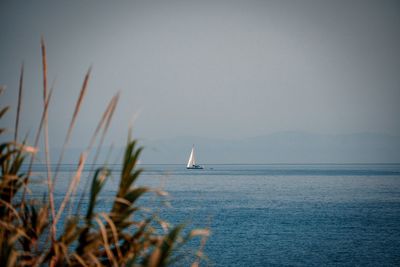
194 168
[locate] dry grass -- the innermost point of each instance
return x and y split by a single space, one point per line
29 235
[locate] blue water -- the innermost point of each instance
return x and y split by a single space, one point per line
281 215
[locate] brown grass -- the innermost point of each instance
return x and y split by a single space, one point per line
89 237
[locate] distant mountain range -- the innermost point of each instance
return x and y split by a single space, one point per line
282 147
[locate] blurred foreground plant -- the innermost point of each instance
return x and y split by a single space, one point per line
29 231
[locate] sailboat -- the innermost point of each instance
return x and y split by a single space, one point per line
192 161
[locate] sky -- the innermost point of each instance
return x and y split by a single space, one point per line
215 69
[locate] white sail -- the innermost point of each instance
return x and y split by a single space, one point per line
192 160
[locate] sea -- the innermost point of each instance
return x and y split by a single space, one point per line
273 214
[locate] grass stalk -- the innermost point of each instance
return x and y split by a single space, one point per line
74 183
46 141
72 123
19 105
102 126
36 143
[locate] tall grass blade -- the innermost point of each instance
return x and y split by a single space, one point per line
46 141
4 111
72 123
36 143
98 181
21 83
73 183
44 68
102 125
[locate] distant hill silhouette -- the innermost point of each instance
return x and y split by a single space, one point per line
282 147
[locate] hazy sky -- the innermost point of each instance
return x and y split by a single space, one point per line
208 68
